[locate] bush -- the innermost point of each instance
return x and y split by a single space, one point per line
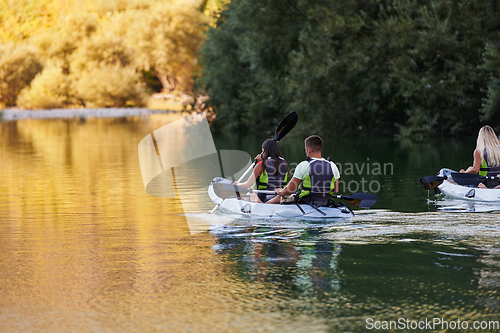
69 35
48 90
167 38
18 66
155 37
107 49
110 86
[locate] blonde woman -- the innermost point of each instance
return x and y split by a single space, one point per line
486 155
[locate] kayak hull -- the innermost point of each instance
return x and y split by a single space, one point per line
451 189
254 209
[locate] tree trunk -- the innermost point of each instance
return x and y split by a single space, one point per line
167 80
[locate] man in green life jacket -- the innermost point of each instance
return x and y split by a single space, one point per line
315 178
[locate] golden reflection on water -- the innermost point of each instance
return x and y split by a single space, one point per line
84 248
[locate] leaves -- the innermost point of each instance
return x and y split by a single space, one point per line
18 66
110 86
352 67
49 89
123 39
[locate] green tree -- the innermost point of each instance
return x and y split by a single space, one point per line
352 67
244 61
411 65
491 108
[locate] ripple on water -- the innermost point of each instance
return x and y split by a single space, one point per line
371 226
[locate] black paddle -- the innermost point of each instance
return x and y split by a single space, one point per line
431 182
224 191
285 126
471 179
467 179
363 200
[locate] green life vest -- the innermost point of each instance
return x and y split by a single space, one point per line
320 181
271 181
263 182
483 171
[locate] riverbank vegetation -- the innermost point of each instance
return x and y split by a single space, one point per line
98 53
356 67
353 67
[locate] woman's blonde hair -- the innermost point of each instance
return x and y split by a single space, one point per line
488 140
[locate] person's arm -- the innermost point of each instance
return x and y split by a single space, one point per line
476 165
336 173
253 176
292 186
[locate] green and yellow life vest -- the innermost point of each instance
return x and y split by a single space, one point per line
270 181
320 181
485 169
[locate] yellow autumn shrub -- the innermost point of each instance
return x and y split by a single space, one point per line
48 90
101 49
110 86
135 44
18 66
68 36
167 38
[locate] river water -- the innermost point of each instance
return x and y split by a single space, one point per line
84 248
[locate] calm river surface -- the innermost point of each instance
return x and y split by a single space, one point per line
84 248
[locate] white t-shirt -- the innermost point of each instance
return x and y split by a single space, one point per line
302 170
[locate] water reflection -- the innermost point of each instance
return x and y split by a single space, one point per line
338 279
83 247
442 203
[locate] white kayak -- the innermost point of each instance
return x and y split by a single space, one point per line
450 188
254 209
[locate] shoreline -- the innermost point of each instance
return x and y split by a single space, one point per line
16 114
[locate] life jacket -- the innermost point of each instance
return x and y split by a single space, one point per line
486 170
319 183
267 180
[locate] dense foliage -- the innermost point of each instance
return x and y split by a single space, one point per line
18 66
98 53
355 66
351 67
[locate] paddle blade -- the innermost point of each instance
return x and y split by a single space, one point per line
467 178
285 126
229 190
431 182
363 200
